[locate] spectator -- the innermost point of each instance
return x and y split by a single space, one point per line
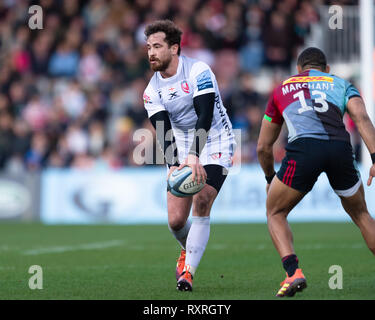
40 53
6 137
36 113
36 157
64 61
278 41
252 51
21 138
73 99
77 139
96 138
71 94
90 67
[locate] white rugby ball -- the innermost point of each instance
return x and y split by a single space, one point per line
181 184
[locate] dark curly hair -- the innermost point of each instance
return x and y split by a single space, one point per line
312 57
172 32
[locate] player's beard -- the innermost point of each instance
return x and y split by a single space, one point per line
160 65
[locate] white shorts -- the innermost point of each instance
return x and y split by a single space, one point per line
218 152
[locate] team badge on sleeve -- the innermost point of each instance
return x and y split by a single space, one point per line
146 99
204 80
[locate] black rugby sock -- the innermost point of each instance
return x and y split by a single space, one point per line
290 264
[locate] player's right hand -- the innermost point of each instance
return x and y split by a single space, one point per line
371 175
198 172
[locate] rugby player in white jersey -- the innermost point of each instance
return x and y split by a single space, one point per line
184 105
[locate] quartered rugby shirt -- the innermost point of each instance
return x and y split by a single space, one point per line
312 104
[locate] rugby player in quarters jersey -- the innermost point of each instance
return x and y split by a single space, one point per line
184 105
312 104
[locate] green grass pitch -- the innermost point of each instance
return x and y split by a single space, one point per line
138 262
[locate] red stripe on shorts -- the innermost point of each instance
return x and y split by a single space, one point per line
292 172
289 173
286 174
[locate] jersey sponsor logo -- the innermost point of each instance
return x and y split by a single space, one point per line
172 93
308 79
185 86
146 99
204 80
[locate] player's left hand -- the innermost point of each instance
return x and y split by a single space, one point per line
198 172
371 175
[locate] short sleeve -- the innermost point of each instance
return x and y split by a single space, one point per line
152 102
202 78
272 113
350 92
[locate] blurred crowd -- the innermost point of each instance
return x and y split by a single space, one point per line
71 93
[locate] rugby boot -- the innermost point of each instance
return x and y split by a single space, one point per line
292 284
180 264
185 282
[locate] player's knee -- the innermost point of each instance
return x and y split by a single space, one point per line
269 214
274 212
176 223
201 207
360 217
357 210
202 204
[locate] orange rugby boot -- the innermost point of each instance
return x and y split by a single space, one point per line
180 264
292 284
185 283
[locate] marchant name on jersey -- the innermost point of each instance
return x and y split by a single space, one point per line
307 85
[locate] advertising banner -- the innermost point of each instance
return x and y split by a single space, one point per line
138 195
19 197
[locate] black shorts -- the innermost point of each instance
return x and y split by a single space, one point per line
216 175
307 158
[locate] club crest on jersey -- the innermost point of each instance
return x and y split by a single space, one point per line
215 156
185 86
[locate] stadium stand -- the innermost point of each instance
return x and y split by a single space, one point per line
70 94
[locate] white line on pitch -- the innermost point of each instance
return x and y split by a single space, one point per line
87 246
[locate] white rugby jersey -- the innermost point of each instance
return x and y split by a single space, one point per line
175 95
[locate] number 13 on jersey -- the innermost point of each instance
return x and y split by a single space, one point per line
319 100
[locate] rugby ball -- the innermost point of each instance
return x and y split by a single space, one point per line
181 184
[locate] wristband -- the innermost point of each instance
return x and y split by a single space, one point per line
373 157
269 179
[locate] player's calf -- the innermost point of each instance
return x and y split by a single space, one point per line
355 206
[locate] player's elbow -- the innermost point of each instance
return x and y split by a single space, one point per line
263 148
